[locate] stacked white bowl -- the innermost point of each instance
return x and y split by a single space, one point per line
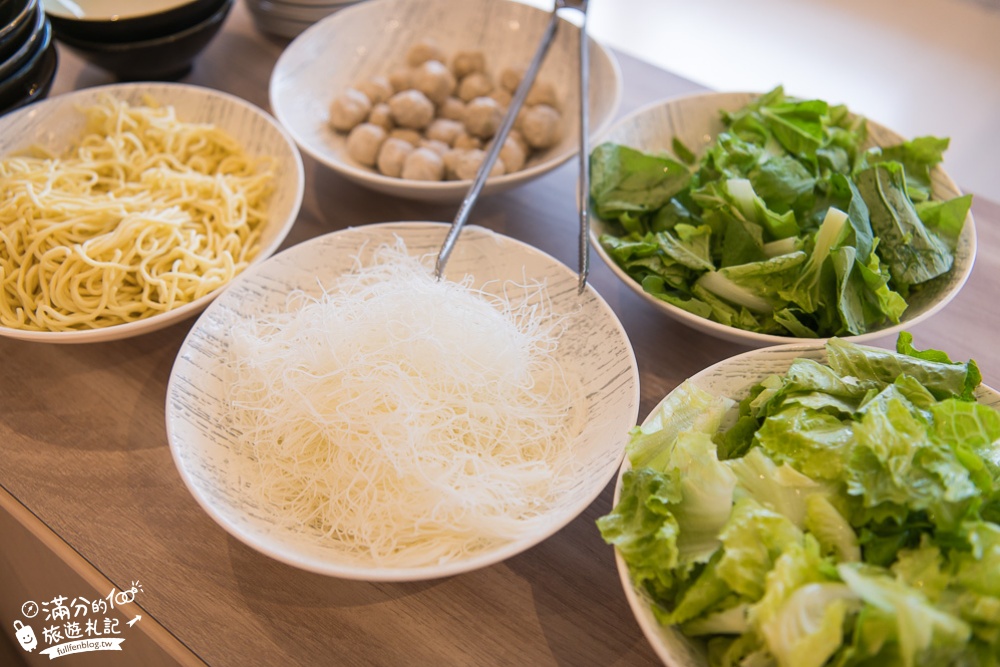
288 19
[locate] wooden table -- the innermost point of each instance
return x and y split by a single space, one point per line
90 496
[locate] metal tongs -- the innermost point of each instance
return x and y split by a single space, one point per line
508 122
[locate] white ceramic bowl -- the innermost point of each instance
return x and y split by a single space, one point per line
731 377
289 20
371 38
277 26
695 121
294 12
594 347
56 124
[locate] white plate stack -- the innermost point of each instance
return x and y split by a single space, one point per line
288 19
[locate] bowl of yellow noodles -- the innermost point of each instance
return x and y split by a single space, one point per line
127 208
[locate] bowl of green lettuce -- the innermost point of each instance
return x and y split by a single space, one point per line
765 219
809 504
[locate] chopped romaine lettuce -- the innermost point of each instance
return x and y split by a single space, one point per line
846 516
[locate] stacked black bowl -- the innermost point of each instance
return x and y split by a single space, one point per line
28 58
149 40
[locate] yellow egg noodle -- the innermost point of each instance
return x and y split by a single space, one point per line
405 421
145 214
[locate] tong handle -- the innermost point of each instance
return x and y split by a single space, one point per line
583 186
501 135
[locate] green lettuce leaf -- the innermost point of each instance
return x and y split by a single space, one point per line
881 301
917 156
831 529
752 540
625 180
895 463
814 442
729 621
725 312
687 408
808 628
882 367
687 245
779 488
797 125
914 253
783 183
707 496
659 288
914 624
706 592
644 531
808 290
946 218
922 569
754 209
979 569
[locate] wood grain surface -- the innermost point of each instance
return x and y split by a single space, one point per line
83 447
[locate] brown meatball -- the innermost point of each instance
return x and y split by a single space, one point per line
435 81
412 109
423 164
364 142
381 116
475 85
469 162
392 155
444 130
467 62
422 51
348 109
540 126
377 89
482 117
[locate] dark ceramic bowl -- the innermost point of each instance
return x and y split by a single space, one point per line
16 21
31 45
131 22
163 58
32 82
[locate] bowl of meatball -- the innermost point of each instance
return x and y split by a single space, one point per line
405 98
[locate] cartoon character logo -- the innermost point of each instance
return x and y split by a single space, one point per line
25 636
